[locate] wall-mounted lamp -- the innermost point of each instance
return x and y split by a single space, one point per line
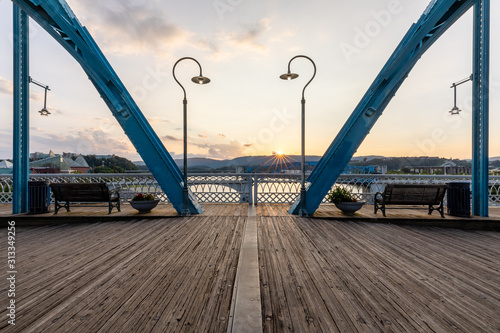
43 111
455 109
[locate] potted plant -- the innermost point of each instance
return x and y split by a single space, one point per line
344 200
144 202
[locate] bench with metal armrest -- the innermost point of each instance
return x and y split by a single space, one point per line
86 193
411 194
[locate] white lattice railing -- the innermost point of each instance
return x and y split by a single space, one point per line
275 188
247 188
228 188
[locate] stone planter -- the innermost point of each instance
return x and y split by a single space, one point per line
144 206
348 208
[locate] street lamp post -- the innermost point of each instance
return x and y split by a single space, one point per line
290 76
199 80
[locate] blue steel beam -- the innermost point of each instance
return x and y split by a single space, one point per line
21 112
480 108
60 22
436 19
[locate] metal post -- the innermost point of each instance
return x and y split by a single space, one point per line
255 189
21 112
199 80
290 76
185 191
249 193
480 109
303 210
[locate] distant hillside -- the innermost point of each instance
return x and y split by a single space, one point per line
114 164
396 163
199 162
393 163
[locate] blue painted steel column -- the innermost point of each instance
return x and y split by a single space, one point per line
21 112
480 108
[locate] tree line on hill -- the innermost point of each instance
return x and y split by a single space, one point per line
398 163
114 164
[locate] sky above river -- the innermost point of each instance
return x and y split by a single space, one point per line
243 47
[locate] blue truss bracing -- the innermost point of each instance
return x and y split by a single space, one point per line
436 19
59 21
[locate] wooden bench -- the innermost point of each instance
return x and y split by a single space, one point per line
410 194
84 192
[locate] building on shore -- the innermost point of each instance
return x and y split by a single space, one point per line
60 164
447 168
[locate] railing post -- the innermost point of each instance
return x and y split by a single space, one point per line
250 192
255 189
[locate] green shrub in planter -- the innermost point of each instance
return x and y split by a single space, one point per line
340 194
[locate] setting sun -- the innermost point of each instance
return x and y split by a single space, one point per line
280 153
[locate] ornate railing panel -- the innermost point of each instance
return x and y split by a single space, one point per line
276 188
231 188
246 188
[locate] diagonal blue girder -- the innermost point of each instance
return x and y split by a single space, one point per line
56 17
436 19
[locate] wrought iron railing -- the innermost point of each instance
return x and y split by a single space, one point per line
246 188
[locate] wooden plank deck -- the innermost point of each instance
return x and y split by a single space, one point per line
322 275
316 275
162 275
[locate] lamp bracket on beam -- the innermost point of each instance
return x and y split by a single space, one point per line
43 111
455 110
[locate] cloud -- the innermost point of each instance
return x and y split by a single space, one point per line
125 27
157 120
85 141
224 151
202 135
227 44
171 138
248 145
135 27
222 136
248 37
6 86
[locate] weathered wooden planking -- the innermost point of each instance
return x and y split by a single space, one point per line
369 277
165 275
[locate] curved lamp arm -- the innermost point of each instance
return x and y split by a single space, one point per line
197 79
290 76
